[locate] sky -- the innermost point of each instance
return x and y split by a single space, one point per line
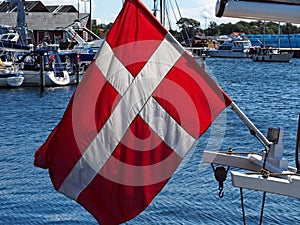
105 11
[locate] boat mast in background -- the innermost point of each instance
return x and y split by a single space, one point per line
21 20
162 12
155 9
161 9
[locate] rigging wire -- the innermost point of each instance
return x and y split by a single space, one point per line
168 15
187 35
180 17
173 10
178 9
262 208
175 17
261 211
243 207
298 147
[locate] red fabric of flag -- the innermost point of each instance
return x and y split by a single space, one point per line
140 107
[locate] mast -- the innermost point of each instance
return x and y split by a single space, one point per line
21 20
298 147
91 24
264 34
162 11
78 11
155 9
279 36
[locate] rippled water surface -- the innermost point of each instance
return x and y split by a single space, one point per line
268 93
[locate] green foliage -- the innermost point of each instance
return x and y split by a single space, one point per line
101 29
189 28
212 29
253 27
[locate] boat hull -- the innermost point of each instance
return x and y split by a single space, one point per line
231 49
284 57
33 78
11 79
225 54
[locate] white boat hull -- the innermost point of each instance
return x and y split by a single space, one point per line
32 78
3 82
284 57
11 79
15 81
231 49
226 54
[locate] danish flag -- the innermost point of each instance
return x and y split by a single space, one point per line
140 107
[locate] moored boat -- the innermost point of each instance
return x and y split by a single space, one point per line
32 78
54 70
10 78
231 49
271 55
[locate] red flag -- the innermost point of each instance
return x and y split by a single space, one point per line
137 111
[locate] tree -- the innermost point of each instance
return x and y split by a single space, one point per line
212 29
188 28
101 29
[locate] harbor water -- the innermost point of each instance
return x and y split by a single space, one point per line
268 93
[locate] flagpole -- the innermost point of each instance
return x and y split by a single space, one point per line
253 129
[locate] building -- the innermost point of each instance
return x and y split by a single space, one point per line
275 41
46 23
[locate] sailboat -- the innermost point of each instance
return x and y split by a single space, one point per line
16 39
54 71
271 55
10 76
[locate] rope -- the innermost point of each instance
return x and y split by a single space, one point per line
174 13
243 208
178 9
180 17
230 152
298 146
265 159
240 153
261 211
262 208
266 174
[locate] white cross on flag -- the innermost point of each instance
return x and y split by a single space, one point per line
140 107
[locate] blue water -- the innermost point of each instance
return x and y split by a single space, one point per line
268 93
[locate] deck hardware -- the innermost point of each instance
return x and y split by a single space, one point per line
220 175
